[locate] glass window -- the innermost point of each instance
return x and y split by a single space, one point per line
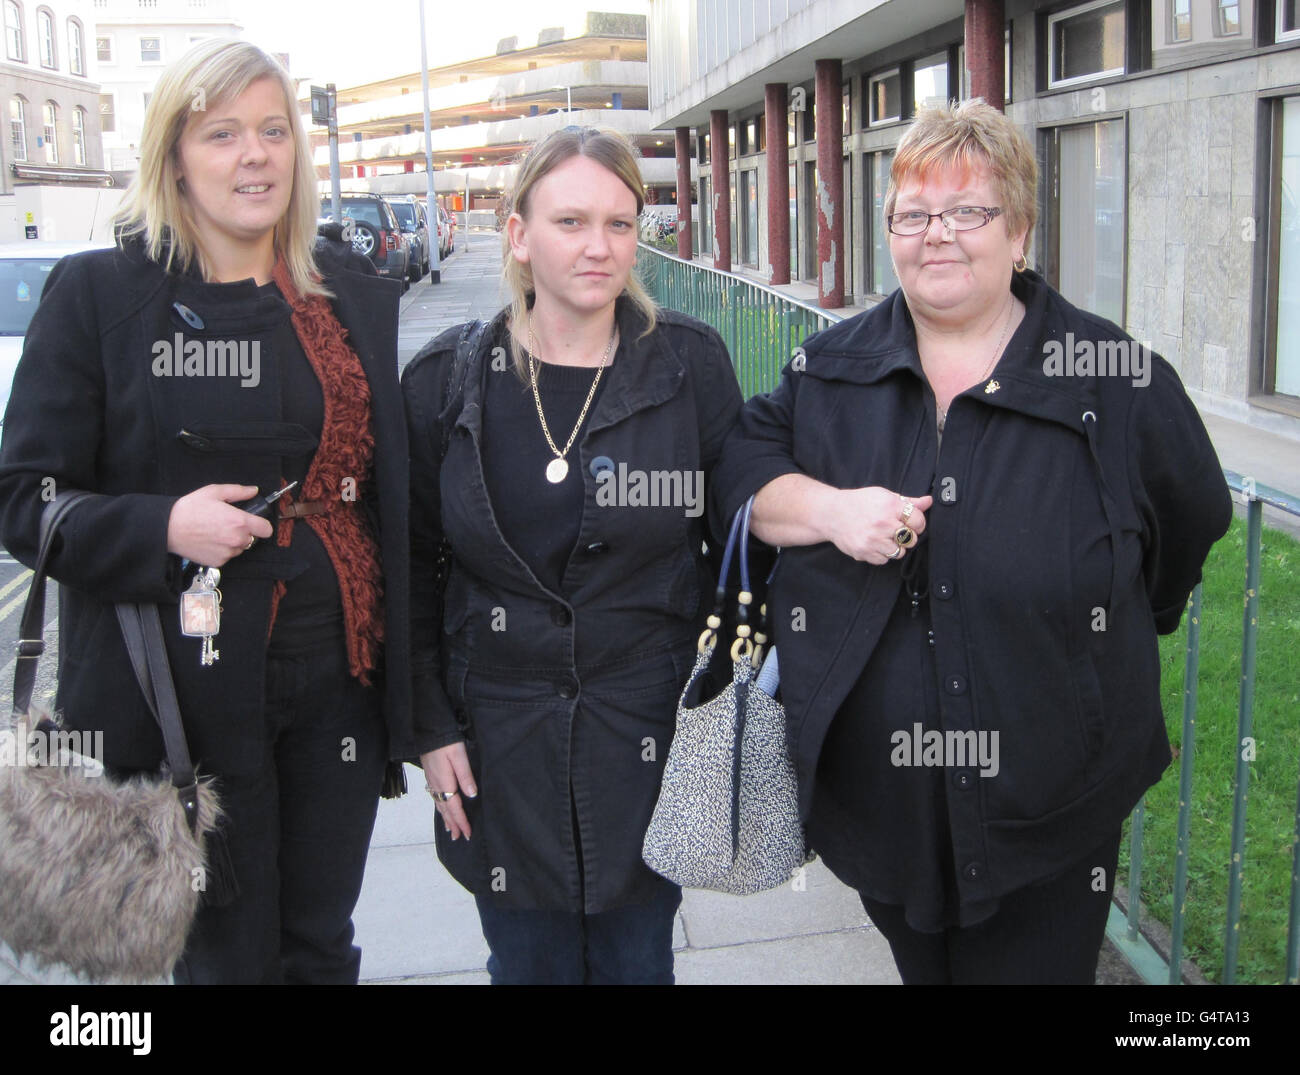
1086 42
749 232
930 82
50 114
751 136
886 95
1286 339
1288 19
79 136
731 141
151 50
1180 20
1087 227
794 223
13 31
45 32
104 49
1227 22
883 280
846 107
706 217
809 117
735 221
791 131
75 63
107 114
18 129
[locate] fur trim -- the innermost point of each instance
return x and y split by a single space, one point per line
102 877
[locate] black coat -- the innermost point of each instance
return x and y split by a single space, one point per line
87 412
569 713
1063 505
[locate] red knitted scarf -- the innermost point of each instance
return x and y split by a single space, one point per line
338 473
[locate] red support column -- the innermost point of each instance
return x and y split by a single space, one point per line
684 154
720 190
830 185
985 50
775 113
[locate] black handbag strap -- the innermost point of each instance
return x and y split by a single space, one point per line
142 632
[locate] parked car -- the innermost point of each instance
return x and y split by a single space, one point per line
25 265
414 223
376 233
449 224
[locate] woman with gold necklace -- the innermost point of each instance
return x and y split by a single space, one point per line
568 617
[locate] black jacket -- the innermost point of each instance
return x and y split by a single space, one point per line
87 412
1072 515
569 711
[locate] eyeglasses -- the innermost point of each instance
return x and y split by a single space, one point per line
959 218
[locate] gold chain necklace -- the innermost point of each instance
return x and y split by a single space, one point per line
558 468
997 351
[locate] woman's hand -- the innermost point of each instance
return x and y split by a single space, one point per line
862 523
206 529
447 769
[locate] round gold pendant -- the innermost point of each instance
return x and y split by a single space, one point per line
556 471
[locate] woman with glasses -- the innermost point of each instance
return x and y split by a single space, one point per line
990 502
558 458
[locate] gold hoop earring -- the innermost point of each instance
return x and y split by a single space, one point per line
1020 264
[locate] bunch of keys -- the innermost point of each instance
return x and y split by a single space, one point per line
201 603
201 612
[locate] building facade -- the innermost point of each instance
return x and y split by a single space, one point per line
1167 131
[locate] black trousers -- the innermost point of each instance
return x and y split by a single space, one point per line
1049 933
298 832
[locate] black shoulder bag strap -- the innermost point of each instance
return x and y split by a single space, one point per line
142 631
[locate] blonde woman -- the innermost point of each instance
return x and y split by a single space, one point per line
206 358
569 611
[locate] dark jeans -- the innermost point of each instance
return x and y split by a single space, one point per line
298 832
1046 934
627 946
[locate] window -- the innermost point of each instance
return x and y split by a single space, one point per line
18 128
104 49
930 82
45 35
750 144
885 92
882 279
50 113
1180 20
107 114
79 136
791 131
1086 230
1288 20
706 217
76 64
1284 239
14 32
749 218
794 223
731 141
846 107
1086 43
151 50
1227 18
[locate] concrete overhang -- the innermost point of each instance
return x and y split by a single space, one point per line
826 29
655 171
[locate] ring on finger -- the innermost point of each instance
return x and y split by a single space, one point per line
905 536
441 796
908 508
251 542
897 554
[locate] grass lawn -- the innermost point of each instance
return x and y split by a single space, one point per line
1271 804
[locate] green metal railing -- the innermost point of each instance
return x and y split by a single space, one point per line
762 328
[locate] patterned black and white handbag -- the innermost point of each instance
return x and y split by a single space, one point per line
727 818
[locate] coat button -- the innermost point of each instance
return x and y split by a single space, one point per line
973 871
561 616
598 546
963 778
943 589
955 684
601 464
567 688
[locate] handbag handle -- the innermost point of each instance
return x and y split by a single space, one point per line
743 644
142 632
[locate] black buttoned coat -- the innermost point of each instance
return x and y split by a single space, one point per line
566 699
88 411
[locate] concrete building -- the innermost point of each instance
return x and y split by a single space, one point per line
1168 133
52 181
589 70
133 41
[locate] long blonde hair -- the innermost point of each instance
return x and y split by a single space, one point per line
606 147
155 207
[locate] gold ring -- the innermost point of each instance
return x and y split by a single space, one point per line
897 554
441 796
908 508
905 536
251 542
